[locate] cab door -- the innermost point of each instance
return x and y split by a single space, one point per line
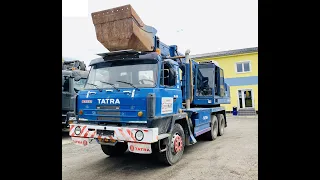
170 88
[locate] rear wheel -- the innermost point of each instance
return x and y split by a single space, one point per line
116 150
222 123
213 133
175 146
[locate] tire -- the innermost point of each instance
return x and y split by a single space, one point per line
116 150
222 123
171 156
213 133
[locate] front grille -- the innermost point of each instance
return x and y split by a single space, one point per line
107 107
110 113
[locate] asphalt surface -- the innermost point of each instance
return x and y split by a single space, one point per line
232 156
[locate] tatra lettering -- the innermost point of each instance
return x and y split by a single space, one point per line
108 101
142 149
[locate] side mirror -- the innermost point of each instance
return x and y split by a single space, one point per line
166 73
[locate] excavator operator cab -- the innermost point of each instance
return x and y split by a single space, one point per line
210 84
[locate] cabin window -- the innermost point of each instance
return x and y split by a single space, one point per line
168 75
205 80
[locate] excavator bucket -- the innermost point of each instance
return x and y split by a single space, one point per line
121 29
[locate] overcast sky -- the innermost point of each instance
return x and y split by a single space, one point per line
203 26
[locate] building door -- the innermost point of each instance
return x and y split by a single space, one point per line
245 98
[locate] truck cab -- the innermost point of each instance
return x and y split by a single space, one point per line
210 88
131 90
72 83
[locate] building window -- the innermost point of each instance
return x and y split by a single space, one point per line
242 67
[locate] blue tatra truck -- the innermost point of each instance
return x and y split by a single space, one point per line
144 96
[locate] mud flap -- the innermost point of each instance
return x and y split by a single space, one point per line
192 139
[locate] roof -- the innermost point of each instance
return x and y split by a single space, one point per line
226 53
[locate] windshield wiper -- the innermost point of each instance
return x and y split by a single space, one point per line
95 86
111 85
129 84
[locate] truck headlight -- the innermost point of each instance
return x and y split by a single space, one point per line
139 135
77 130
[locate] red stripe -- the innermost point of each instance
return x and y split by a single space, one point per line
86 134
131 134
145 130
83 128
71 127
124 136
94 133
71 130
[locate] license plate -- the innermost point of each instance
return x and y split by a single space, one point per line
105 140
105 132
139 148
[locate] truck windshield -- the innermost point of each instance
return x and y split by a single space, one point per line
139 73
79 85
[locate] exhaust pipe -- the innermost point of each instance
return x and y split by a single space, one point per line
188 61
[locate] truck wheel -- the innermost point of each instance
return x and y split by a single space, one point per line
213 133
116 150
222 123
175 146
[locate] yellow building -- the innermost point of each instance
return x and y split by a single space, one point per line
241 73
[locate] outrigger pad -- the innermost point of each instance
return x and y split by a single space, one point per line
121 28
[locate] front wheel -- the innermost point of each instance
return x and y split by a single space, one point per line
116 150
175 146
